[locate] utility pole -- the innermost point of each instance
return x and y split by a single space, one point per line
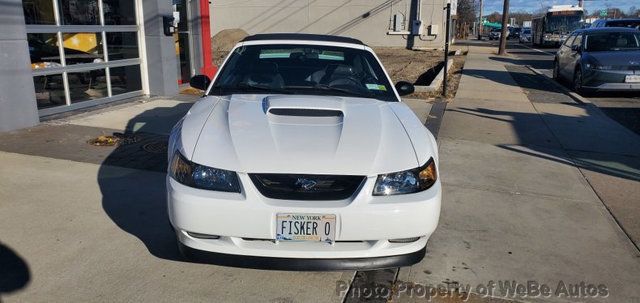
480 23
581 3
502 50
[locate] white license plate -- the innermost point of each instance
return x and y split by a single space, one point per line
306 227
632 79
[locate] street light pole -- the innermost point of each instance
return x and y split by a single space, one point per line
503 37
447 38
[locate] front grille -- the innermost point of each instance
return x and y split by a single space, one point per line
306 187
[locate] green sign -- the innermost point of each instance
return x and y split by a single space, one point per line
603 13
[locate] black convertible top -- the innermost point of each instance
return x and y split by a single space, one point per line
302 37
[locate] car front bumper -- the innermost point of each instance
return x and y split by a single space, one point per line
245 222
302 264
609 80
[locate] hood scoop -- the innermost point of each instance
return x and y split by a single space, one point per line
307 110
305 125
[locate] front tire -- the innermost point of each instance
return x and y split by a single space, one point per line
577 82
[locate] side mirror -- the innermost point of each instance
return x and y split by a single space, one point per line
200 82
404 88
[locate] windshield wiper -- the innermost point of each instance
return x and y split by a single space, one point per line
343 90
230 89
262 87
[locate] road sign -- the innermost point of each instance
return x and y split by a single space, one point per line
603 13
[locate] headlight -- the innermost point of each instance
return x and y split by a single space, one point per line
203 177
406 182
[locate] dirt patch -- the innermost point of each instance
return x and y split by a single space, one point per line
454 76
420 67
224 41
413 66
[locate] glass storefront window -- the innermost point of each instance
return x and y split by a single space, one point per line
49 91
119 12
122 45
80 12
38 12
82 48
125 79
89 85
69 63
43 50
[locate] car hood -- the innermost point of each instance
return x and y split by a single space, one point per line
305 134
616 58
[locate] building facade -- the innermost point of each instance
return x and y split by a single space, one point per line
60 55
401 23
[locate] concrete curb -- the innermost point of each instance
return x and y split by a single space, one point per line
437 81
573 95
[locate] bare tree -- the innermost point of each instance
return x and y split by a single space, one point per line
521 16
503 37
481 22
466 17
494 17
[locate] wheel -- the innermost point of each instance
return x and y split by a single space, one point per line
577 82
556 70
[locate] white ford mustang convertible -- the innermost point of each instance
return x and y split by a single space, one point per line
302 156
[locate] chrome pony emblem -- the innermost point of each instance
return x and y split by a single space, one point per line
306 184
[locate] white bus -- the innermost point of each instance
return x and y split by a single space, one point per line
556 24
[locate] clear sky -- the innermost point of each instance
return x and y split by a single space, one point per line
533 5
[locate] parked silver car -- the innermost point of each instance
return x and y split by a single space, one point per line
600 59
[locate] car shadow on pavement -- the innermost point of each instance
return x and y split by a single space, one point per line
14 271
614 157
132 180
537 63
501 77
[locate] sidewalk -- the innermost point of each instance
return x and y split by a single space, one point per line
516 204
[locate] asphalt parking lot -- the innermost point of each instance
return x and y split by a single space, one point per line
538 190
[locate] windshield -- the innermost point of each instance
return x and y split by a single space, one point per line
563 22
303 69
612 41
624 23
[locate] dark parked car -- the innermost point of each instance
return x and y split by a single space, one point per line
514 33
495 34
600 59
630 22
